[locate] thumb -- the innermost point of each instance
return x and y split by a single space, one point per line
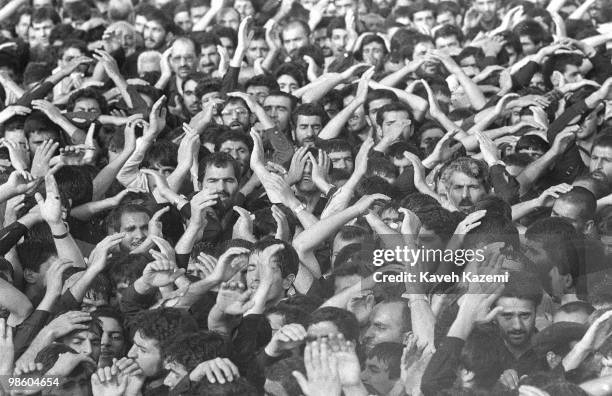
179 272
302 381
39 198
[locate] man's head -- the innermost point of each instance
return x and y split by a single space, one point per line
221 173
601 158
238 145
574 311
279 106
373 50
112 342
236 114
448 39
295 35
282 267
87 341
43 21
258 47
308 119
563 69
487 9
331 320
183 353
518 302
38 129
260 87
209 56
388 322
532 36
37 257
552 246
577 206
466 182
133 220
382 367
88 100
423 15
392 117
151 330
157 31
191 101
340 154
375 100
183 58
228 17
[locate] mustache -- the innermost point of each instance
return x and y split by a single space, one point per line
465 202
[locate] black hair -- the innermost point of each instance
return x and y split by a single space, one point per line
345 321
190 349
288 259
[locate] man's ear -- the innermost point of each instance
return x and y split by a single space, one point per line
30 276
557 79
466 377
288 281
589 226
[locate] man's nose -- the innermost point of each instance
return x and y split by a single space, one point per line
465 192
86 349
132 352
105 340
517 324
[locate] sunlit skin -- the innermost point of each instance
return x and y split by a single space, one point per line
183 58
154 35
279 109
464 191
601 163
342 160
385 325
294 37
147 354
221 181
112 341
516 322
209 60
307 129
239 151
135 225
41 31
84 342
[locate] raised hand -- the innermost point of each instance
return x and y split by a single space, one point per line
22 182
288 337
106 382
67 322
48 108
243 228
364 203
67 362
200 203
322 377
157 119
470 222
99 255
160 274
155 224
411 224
296 169
19 155
131 370
229 263
415 359
51 206
233 298
257 156
53 277
74 63
548 197
219 370
109 63
77 155
488 148
364 82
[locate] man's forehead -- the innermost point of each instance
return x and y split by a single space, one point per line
279 101
144 341
233 144
602 151
516 305
215 171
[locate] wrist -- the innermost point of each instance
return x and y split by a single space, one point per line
272 350
57 228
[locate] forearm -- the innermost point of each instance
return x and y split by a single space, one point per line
396 77
533 171
314 91
164 79
598 387
522 209
417 104
470 142
66 247
581 10
473 93
14 301
104 179
323 229
339 201
596 41
129 170
333 128
461 327
268 63
77 136
189 237
176 178
576 356
81 286
205 21
88 210
217 321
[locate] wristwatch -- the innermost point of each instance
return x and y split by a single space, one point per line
301 207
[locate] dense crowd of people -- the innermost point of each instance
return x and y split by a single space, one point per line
319 198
